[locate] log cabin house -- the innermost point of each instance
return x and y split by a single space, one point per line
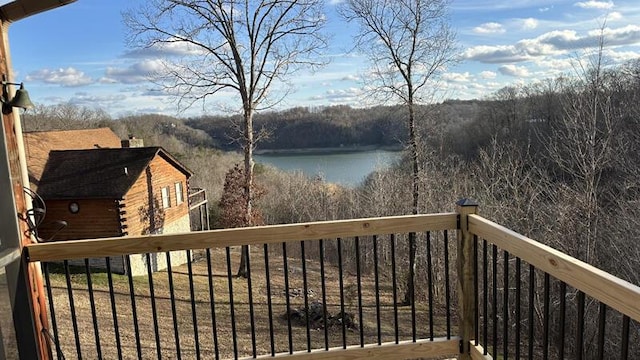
92 187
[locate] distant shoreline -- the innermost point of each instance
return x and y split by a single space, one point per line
327 150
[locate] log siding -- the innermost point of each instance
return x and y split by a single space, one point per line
145 213
96 218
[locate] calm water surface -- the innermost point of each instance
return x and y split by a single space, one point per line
347 169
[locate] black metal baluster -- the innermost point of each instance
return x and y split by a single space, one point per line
532 286
624 348
72 309
324 296
580 328
412 292
394 280
359 283
342 314
518 305
267 273
252 321
174 314
602 319
56 338
494 275
545 333
505 306
430 285
134 310
234 334
485 297
212 305
376 276
563 310
114 313
447 286
194 312
285 264
154 310
92 303
305 288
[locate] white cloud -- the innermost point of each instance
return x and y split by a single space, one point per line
529 24
614 16
488 75
66 77
489 28
495 54
555 40
170 48
545 9
513 70
90 100
626 35
339 95
594 4
621 56
457 77
136 73
556 65
553 43
350 78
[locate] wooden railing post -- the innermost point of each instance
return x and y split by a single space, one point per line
465 266
23 279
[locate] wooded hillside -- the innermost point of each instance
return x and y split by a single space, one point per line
556 160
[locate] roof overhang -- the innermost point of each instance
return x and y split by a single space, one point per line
20 9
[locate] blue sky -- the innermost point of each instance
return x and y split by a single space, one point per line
77 53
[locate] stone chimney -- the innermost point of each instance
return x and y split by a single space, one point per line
132 142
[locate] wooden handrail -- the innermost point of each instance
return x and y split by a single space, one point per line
425 348
99 248
615 292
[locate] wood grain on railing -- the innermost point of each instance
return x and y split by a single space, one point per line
437 347
615 292
99 248
466 276
477 353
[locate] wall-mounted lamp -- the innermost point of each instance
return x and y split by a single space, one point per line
21 99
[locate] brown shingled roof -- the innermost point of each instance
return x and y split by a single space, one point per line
39 144
97 173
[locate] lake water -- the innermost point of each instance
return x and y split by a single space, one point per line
345 168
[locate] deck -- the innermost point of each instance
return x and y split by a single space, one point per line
337 290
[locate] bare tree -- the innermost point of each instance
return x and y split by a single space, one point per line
245 46
409 43
65 116
584 147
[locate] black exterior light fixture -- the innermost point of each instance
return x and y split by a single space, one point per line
20 100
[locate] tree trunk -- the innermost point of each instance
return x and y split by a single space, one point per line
415 180
243 270
413 142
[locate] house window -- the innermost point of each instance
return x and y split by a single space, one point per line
179 194
166 199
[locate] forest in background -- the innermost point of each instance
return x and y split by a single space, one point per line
556 160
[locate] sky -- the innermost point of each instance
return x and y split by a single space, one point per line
78 54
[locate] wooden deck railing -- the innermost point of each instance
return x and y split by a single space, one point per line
334 290
338 267
536 302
